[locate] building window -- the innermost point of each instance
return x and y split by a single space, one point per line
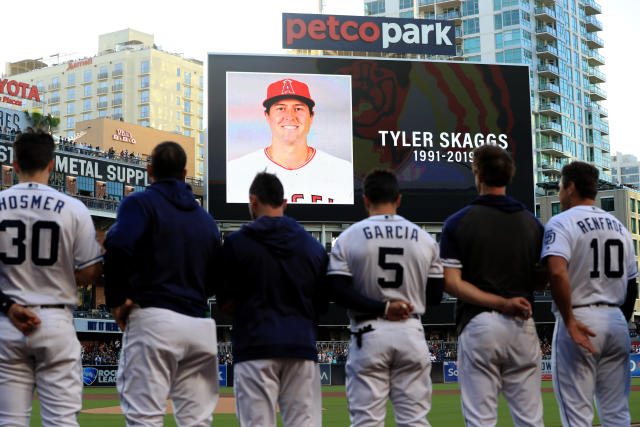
103 87
606 203
117 113
472 45
187 120
86 105
117 84
87 76
144 82
187 132
144 111
145 123
178 115
144 96
178 86
117 99
71 122
103 73
201 167
201 82
202 138
555 208
177 100
71 93
635 247
470 7
201 152
634 226
71 108
187 92
178 72
55 111
102 114
510 17
200 124
86 116
187 106
187 78
71 79
87 90
144 67
471 26
633 205
86 185
115 189
118 70
374 7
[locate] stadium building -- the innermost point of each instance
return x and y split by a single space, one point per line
559 41
130 79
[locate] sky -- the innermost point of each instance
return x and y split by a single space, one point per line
70 28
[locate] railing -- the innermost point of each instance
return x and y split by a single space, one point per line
551 146
544 11
550 87
547 48
102 90
548 67
116 88
547 29
54 86
117 73
550 106
592 4
597 73
103 104
102 76
595 89
551 125
593 38
593 21
449 15
99 204
116 102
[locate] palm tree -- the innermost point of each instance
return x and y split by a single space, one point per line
41 122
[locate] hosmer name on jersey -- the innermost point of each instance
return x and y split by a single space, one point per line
390 232
31 202
598 223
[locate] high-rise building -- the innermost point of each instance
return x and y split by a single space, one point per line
625 169
559 41
130 79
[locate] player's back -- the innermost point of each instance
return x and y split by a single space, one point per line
40 230
599 251
389 258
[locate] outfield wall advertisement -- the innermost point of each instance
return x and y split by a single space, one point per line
420 119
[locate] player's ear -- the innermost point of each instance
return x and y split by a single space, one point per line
184 174
149 170
284 204
50 166
367 203
398 200
16 168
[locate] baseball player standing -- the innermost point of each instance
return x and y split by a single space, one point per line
159 272
593 274
490 250
387 257
48 246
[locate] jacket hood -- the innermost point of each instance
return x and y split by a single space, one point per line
178 193
280 233
504 203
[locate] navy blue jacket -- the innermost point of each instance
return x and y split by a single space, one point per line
274 275
161 250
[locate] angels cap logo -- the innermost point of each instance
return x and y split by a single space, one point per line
287 89
89 375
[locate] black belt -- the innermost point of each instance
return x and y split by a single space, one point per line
595 304
358 334
47 306
364 317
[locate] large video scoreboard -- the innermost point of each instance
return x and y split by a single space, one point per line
420 119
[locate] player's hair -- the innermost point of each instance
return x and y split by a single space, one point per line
272 101
381 186
33 151
584 176
494 165
268 189
168 160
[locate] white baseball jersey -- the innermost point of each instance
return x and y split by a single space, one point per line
323 179
40 229
599 252
389 258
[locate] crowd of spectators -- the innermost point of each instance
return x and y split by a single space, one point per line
333 353
101 353
9 134
71 146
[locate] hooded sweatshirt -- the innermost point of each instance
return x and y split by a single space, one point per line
161 250
275 270
496 242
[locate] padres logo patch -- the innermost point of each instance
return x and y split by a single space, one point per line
549 237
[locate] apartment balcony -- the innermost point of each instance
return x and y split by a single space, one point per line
144 100
604 127
592 24
102 105
550 3
597 94
103 76
54 100
144 115
102 90
596 76
593 41
597 108
591 7
547 33
116 102
117 117
458 32
55 113
550 109
544 14
453 15
594 58
548 70
86 108
551 128
117 88
547 52
70 84
549 89
117 73
459 53
551 167
448 3
552 148
54 86
426 7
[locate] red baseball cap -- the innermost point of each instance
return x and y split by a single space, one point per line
288 88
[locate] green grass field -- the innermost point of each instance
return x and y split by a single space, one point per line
445 410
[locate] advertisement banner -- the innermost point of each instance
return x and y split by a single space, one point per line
546 369
100 375
222 375
450 372
634 364
96 325
368 34
325 373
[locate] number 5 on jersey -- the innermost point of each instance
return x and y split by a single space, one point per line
393 266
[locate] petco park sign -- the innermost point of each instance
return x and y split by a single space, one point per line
368 34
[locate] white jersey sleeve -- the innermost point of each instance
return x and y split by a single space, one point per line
86 250
338 263
436 269
557 240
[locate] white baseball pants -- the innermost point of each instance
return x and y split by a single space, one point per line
294 384
393 362
47 360
167 354
578 375
499 353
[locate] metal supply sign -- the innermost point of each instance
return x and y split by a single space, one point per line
368 34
